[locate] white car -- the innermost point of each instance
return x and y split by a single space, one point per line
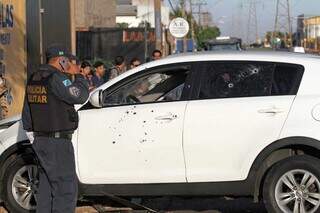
207 124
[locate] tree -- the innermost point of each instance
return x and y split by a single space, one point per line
205 34
202 34
123 25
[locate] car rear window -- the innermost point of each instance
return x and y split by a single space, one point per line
249 79
287 79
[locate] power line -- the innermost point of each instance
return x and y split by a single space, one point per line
199 4
283 21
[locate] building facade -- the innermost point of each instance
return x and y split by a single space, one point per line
95 13
136 12
312 33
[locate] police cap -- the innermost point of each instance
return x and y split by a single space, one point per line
58 50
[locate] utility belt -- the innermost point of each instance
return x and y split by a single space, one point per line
62 135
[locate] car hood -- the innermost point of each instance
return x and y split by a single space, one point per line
5 123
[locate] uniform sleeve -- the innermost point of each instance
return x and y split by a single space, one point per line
76 92
26 116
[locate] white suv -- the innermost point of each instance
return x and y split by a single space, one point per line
208 124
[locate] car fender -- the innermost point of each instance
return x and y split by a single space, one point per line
273 153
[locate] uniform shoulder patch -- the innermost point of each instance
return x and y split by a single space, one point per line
66 82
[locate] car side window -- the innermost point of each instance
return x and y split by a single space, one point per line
287 79
148 88
231 80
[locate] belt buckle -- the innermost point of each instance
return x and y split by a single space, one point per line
57 134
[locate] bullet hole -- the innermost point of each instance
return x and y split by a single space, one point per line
152 111
134 113
127 112
113 142
145 133
120 135
143 141
144 122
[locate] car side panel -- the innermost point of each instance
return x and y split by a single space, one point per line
304 118
222 137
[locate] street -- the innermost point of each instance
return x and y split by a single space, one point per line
214 205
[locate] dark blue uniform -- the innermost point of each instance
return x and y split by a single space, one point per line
48 112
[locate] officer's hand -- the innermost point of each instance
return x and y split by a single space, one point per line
73 69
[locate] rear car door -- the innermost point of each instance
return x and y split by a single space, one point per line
137 136
239 109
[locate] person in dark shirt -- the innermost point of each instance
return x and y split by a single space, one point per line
98 76
85 70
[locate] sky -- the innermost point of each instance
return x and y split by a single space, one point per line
232 15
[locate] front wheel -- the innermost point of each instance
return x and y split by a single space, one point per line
20 184
293 186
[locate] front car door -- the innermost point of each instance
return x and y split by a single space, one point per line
137 136
240 108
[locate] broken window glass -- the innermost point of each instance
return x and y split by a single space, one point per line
156 87
231 80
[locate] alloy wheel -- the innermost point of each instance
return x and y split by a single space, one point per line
298 191
25 185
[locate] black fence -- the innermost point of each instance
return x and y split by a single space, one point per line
107 43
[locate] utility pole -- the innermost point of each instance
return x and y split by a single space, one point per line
252 23
192 23
283 21
183 14
199 4
158 27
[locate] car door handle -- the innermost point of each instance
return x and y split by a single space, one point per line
167 117
273 110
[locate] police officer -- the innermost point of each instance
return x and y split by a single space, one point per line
49 113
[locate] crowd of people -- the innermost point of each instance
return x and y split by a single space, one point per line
97 74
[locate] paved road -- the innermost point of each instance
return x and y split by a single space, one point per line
217 205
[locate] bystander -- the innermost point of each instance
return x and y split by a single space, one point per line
135 62
156 55
118 68
99 72
86 71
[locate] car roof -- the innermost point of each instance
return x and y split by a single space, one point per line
246 54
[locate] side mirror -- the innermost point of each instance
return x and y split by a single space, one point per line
96 98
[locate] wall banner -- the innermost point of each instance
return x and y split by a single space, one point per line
12 57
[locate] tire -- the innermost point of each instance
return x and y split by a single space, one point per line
291 184
14 187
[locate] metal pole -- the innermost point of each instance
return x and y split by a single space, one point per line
145 41
191 21
41 12
183 14
158 28
73 27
